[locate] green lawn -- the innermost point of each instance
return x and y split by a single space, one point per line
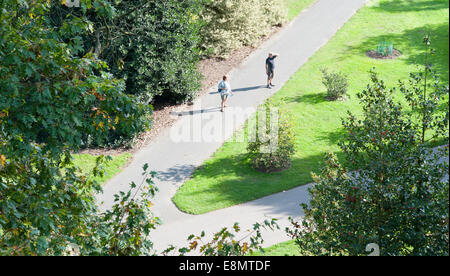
296 6
227 178
288 248
86 163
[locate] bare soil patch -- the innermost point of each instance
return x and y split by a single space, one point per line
374 54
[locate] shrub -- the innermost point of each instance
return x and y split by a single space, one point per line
336 84
230 24
158 49
272 140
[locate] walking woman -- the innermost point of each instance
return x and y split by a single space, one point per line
225 91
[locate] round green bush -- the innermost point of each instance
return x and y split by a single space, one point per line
230 24
336 84
271 146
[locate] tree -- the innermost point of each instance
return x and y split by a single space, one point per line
397 195
50 99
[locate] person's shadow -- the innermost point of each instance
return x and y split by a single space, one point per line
244 89
193 112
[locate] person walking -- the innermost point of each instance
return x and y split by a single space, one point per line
270 67
225 91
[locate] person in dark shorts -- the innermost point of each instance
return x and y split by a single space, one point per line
270 67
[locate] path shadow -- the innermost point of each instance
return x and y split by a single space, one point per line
193 112
176 174
244 89
334 137
412 5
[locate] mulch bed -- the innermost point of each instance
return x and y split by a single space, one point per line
374 54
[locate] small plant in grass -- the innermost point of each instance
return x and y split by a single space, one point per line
271 143
336 84
385 48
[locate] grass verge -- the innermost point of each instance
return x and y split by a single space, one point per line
297 6
86 163
288 248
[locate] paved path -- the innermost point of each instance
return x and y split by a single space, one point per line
192 139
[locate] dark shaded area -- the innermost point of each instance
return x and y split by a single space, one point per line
176 174
308 98
334 137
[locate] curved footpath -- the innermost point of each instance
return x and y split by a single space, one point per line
178 150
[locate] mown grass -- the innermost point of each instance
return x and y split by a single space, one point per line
87 162
297 6
288 248
227 178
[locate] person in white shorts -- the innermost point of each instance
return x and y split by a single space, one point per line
225 91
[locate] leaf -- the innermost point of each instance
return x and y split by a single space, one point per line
2 160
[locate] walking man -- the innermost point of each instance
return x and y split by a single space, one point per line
270 67
225 91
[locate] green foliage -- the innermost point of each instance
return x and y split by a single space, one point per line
124 230
385 48
426 96
156 48
40 71
127 117
48 96
230 24
225 242
272 145
336 84
152 45
398 198
50 99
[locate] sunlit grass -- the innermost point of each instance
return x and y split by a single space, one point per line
87 162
